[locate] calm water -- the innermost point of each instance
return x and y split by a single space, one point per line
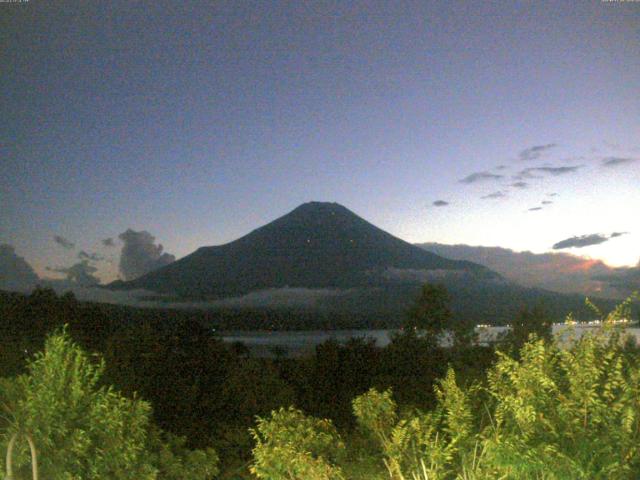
295 343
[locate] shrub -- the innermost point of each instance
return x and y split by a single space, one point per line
292 446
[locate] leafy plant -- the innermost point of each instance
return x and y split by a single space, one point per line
292 446
81 430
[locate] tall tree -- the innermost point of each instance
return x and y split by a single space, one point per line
431 314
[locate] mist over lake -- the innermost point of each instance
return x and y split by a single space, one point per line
300 343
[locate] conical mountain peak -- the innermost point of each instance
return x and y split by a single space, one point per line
316 245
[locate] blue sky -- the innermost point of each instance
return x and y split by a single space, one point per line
199 121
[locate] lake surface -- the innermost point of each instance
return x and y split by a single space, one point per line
299 343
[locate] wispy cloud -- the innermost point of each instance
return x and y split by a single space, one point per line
63 242
520 184
80 274
554 194
546 202
534 209
535 152
585 240
555 171
617 161
480 177
494 195
440 203
525 174
92 257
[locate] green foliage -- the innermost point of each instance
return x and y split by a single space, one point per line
554 411
85 431
431 445
175 462
292 446
81 430
569 412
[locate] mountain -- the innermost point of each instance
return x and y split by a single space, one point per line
15 273
556 271
317 245
322 265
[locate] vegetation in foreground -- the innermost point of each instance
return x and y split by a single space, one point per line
534 409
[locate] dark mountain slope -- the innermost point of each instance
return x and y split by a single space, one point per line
317 245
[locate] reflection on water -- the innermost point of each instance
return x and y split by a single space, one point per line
297 343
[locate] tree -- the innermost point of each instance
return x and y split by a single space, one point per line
81 430
430 315
292 446
530 321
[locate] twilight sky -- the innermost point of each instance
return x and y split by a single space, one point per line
485 123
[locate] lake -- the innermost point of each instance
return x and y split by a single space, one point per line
300 343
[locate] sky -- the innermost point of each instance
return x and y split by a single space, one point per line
511 124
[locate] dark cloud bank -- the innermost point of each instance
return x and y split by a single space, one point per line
585 240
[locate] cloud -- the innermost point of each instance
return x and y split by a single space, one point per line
585 240
525 175
546 202
494 195
479 177
520 184
92 257
535 152
440 203
534 209
140 255
559 271
80 274
617 161
555 171
554 194
63 242
273 297
417 275
15 273
501 167
108 242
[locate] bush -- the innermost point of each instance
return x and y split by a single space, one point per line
292 446
81 430
85 431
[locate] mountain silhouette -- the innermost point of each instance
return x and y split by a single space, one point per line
317 245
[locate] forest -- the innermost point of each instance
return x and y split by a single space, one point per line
106 393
